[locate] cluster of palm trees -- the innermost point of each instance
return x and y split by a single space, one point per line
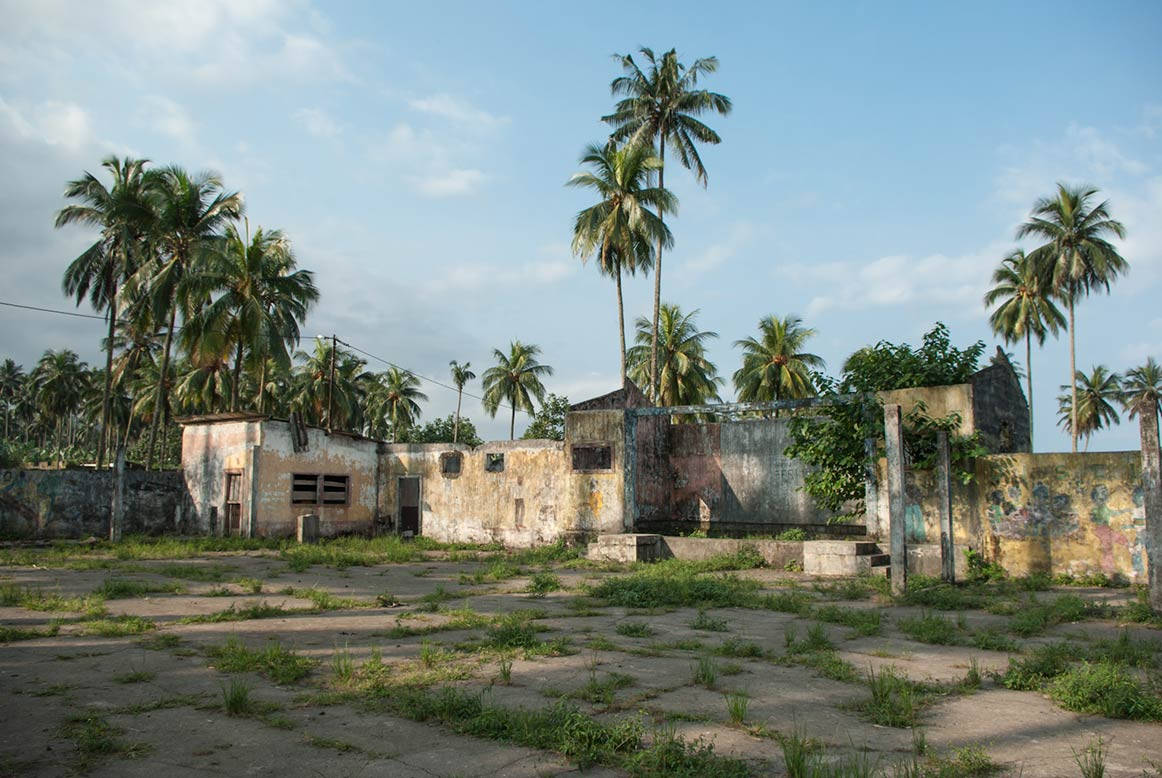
1076 257
626 230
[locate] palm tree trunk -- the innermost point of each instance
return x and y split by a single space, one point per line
237 377
456 424
621 323
261 386
512 423
108 380
1029 384
128 426
1073 377
159 396
654 379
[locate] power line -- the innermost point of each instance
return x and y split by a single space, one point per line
77 314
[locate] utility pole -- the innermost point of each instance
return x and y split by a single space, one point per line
331 384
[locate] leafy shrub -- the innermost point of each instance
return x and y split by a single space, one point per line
1106 689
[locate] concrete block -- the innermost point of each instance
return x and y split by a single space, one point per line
627 547
308 528
839 557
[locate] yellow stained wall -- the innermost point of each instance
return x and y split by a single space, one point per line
939 401
209 451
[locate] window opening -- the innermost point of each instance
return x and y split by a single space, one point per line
494 463
592 457
450 464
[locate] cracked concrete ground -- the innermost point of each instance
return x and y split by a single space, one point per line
162 692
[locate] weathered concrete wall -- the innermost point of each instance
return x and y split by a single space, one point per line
595 499
938 401
334 454
732 476
522 505
1071 514
75 503
209 451
999 410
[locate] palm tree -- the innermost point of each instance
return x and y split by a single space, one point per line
311 387
1024 310
190 212
516 378
461 375
261 301
59 382
661 106
1076 258
396 395
123 215
11 387
620 227
686 376
1142 389
1095 395
774 365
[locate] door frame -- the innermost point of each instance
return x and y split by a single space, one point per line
419 504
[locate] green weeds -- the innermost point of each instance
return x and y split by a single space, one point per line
279 664
96 740
707 623
667 585
706 672
1106 689
542 583
124 588
634 629
259 610
865 621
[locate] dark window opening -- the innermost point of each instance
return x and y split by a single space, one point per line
494 463
304 489
450 464
335 490
592 457
233 503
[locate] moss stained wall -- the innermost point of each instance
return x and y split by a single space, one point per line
208 452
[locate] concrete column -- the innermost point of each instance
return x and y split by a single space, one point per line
1152 494
894 437
117 507
629 473
871 487
944 497
251 520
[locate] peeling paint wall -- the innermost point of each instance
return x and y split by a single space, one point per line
76 503
1071 514
209 451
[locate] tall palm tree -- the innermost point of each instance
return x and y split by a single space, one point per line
516 378
1095 395
774 365
1024 310
461 375
1142 389
686 376
262 299
1076 257
661 105
59 383
123 215
396 396
11 387
311 387
620 227
190 213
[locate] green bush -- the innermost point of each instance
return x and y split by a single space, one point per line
1107 689
1042 664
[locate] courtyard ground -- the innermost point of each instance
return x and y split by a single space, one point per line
384 658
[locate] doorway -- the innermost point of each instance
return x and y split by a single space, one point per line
233 503
409 505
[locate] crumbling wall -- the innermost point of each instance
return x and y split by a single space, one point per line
1069 514
76 503
1000 411
209 451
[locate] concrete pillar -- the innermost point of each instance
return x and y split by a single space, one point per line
871 487
308 528
894 438
1152 502
944 497
629 473
117 507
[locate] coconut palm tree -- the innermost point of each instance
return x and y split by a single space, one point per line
686 376
11 386
396 395
59 382
620 228
774 365
311 387
123 215
1076 258
1142 389
516 379
1096 393
190 213
1024 310
261 300
660 106
461 375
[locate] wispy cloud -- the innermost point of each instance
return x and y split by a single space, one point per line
449 183
718 253
317 122
54 122
448 107
163 115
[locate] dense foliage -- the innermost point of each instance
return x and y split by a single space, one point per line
549 421
833 442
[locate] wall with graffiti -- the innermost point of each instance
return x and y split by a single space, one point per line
76 503
1070 514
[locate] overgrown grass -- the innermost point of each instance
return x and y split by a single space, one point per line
542 583
893 701
1107 689
260 610
138 676
459 619
1125 650
1042 664
1034 617
865 621
115 626
325 601
15 634
816 651
96 740
634 629
794 602
124 588
599 691
931 628
36 599
705 672
672 583
274 661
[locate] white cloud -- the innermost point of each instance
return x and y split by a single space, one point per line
716 254
52 122
168 117
449 183
448 107
317 122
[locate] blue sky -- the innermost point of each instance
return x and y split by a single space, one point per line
870 177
